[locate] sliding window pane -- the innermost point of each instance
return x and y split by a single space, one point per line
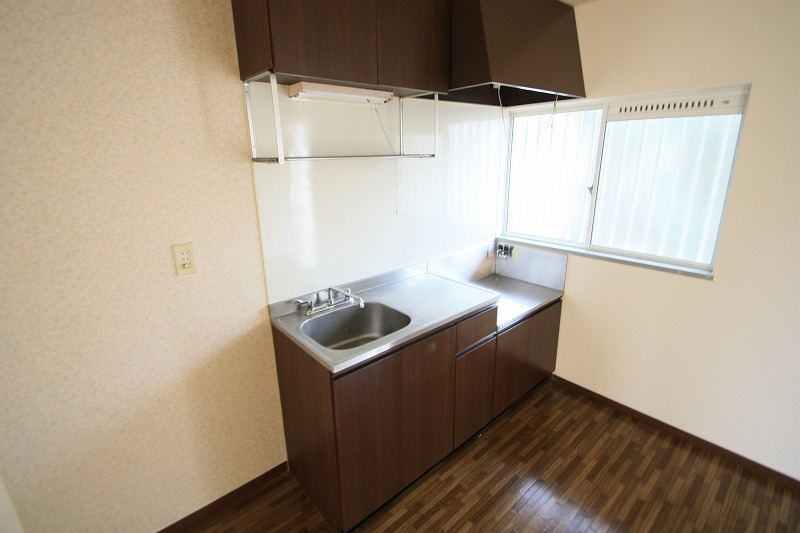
552 166
662 185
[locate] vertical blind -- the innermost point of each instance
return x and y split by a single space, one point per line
662 185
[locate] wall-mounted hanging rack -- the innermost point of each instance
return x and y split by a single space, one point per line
342 93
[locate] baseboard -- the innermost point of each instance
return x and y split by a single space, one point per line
744 462
226 501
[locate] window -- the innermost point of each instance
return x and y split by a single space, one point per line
552 166
655 195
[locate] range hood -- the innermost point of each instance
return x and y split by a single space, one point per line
514 51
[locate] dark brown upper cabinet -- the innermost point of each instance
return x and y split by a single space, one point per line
414 44
401 46
324 39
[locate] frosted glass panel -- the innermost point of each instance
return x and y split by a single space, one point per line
552 166
662 185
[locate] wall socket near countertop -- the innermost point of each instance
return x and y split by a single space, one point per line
185 260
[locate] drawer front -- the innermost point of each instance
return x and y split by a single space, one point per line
476 328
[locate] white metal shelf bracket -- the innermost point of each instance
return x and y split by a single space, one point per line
276 112
281 158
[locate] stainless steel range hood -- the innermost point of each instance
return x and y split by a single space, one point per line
514 51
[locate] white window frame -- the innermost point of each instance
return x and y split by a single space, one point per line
726 100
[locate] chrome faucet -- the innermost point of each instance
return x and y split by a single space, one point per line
316 305
332 291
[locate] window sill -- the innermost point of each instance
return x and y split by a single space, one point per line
634 261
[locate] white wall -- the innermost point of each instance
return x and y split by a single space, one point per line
129 397
330 222
718 359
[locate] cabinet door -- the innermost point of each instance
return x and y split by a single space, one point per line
414 44
307 407
526 355
331 39
394 420
474 391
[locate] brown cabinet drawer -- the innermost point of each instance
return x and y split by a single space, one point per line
476 328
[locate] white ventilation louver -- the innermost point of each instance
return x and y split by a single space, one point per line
717 104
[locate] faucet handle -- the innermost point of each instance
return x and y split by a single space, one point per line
300 302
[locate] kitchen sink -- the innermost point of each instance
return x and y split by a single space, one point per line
353 326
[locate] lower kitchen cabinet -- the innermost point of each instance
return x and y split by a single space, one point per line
307 408
474 391
394 420
357 438
526 356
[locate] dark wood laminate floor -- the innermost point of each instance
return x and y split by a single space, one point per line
556 461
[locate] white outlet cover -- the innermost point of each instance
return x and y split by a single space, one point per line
185 259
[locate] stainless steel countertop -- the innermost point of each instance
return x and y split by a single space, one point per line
431 302
517 298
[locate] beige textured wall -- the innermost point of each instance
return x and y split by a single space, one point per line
129 397
719 358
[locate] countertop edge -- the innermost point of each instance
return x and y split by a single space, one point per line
533 310
518 299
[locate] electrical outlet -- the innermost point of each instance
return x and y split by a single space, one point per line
185 260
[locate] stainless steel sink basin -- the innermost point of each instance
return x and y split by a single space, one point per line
353 326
